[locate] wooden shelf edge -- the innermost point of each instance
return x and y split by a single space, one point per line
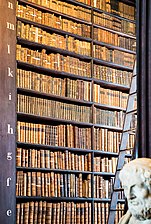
56 73
29 117
34 169
52 96
50 147
52 49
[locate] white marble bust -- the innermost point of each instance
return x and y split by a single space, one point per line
136 181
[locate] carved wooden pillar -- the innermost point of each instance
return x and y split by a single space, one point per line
144 77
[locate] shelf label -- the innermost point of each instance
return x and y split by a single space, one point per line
9 156
9 212
8 48
10 5
10 26
10 97
10 73
10 130
8 181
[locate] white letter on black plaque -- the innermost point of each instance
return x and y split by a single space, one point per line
8 181
9 212
10 130
10 73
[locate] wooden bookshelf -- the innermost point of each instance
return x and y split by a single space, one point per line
66 64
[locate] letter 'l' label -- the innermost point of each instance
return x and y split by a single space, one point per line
8 48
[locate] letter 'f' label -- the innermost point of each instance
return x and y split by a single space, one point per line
8 181
10 73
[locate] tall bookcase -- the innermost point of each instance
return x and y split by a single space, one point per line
74 65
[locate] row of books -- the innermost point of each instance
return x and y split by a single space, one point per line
116 7
73 88
66 8
109 141
105 164
109 118
115 56
103 187
59 22
53 61
53 213
117 24
33 33
113 39
60 135
53 20
61 86
53 109
101 211
112 75
110 97
41 158
77 89
52 184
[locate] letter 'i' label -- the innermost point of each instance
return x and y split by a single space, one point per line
8 48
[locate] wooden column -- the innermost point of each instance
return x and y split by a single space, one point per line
144 77
7 111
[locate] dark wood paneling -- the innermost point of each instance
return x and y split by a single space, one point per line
7 111
144 77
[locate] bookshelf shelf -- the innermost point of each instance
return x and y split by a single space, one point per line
104 174
114 31
34 45
103 106
52 199
42 119
51 29
53 148
42 8
32 169
52 96
111 85
113 47
111 64
47 71
108 127
104 153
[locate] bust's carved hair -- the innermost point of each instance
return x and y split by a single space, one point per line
141 166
